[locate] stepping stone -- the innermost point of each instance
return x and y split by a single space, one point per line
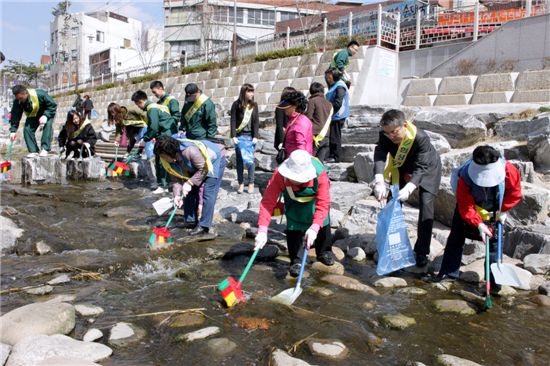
397 321
454 306
330 349
199 334
390 282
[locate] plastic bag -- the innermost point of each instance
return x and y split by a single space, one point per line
95 115
247 147
392 240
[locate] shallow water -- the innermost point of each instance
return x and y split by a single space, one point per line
71 220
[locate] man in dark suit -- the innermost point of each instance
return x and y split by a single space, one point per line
413 163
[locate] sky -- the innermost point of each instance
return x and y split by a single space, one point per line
25 24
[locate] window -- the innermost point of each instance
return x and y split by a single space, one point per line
127 43
287 16
220 14
240 15
74 55
268 17
74 32
53 38
100 36
254 16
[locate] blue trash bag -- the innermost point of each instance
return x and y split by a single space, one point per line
247 147
95 115
392 240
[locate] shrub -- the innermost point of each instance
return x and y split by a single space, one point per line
272 55
105 86
544 109
204 67
141 79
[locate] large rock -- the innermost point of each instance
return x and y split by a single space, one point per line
36 319
357 254
538 141
454 306
124 334
34 349
533 207
4 353
459 128
340 171
330 349
537 263
10 233
349 151
44 170
512 129
449 360
390 282
336 268
88 310
92 335
526 170
363 165
360 135
439 142
343 195
66 361
266 162
523 240
281 358
349 283
397 321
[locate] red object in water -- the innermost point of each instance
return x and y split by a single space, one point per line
5 166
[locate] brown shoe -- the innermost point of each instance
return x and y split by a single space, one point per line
251 188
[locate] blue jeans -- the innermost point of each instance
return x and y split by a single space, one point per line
210 195
240 167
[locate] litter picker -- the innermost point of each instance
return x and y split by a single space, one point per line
161 235
288 296
230 289
6 165
488 303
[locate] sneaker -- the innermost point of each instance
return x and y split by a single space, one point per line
32 155
421 260
440 278
251 188
160 190
199 230
327 258
43 153
294 270
241 189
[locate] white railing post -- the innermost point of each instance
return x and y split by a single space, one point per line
350 25
101 78
325 27
528 8
476 21
379 27
418 25
287 38
256 44
397 31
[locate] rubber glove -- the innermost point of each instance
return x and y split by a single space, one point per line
87 144
178 201
187 187
13 136
311 235
42 120
380 190
484 231
501 217
235 140
117 144
254 140
405 193
260 241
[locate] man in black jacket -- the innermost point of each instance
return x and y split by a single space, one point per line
88 107
413 163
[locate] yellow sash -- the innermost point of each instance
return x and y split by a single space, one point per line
136 123
195 107
391 172
159 106
320 137
204 152
77 132
34 102
167 100
171 170
305 199
246 119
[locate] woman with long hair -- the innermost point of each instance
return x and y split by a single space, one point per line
128 120
77 135
244 133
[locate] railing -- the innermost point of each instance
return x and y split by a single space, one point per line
385 29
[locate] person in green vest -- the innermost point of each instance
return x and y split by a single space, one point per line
40 109
303 182
198 116
166 99
160 123
340 60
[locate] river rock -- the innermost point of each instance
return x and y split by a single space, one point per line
42 290
357 254
124 334
43 170
338 253
345 194
340 171
363 166
541 300
281 358
36 319
454 306
544 288
416 291
439 142
526 170
537 263
538 141
533 207
471 297
331 349
42 248
221 346
373 340
459 128
337 268
10 233
449 360
33 349
62 298
88 310
349 283
63 278
524 240
325 292
66 361
4 353
187 320
92 335
507 291
367 305
199 334
390 282
397 321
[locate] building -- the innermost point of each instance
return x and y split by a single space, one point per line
195 26
100 43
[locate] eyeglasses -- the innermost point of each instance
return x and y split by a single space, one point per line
393 132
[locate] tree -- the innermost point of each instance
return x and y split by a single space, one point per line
26 74
61 8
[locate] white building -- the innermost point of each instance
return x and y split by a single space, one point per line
100 43
196 26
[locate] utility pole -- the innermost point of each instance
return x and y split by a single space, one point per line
234 43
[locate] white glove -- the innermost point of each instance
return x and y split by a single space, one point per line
117 144
405 193
62 150
380 190
178 201
187 187
260 241
484 231
311 235
254 140
502 217
13 136
235 140
87 144
42 120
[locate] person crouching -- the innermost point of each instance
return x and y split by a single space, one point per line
303 182
77 135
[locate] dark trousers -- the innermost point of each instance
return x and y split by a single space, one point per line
322 151
425 222
163 178
335 139
452 256
88 114
240 168
210 195
75 147
295 243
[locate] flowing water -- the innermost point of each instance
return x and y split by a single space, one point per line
72 221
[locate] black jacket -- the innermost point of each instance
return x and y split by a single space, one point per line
423 162
87 135
88 105
237 113
281 120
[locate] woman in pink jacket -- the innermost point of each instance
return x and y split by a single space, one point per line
298 132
